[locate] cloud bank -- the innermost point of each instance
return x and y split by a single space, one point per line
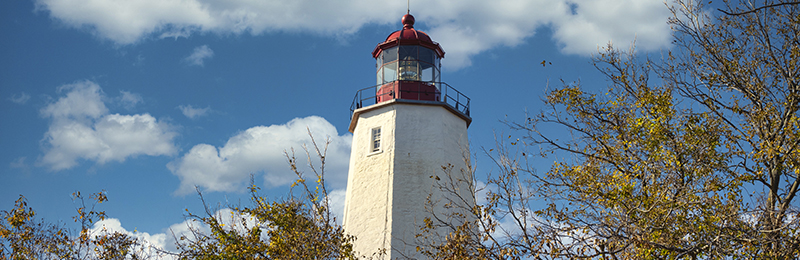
82 128
150 244
260 150
156 244
464 28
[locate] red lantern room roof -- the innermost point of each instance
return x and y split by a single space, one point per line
408 36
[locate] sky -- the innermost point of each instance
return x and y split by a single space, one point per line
150 99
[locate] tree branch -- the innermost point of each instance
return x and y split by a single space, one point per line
760 8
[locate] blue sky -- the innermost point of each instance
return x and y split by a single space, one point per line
147 99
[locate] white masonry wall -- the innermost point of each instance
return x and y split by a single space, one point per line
367 205
387 191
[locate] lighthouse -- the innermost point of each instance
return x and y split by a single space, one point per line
409 140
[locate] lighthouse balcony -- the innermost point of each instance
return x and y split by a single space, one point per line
413 91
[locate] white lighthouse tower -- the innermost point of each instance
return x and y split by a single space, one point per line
406 130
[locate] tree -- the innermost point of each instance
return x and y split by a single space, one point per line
700 163
300 227
744 69
22 236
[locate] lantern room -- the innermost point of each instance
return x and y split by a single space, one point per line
408 65
408 72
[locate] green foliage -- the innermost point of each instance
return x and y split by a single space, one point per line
267 230
300 227
24 237
651 179
700 163
743 69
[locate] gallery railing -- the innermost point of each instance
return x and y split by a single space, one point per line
441 92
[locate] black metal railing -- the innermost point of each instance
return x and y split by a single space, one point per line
370 95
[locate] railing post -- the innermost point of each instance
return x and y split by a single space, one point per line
444 92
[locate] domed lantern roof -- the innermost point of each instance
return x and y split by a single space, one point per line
408 36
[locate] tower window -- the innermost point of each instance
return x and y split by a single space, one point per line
376 139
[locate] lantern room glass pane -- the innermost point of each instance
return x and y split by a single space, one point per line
408 52
426 71
390 72
427 74
425 65
437 66
408 62
426 55
389 55
408 69
380 75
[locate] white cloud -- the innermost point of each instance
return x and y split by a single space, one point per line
155 244
336 203
150 244
84 99
82 128
464 28
192 112
231 220
20 98
260 150
597 22
199 55
188 228
129 100
482 192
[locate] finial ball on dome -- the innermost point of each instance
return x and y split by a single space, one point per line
408 21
